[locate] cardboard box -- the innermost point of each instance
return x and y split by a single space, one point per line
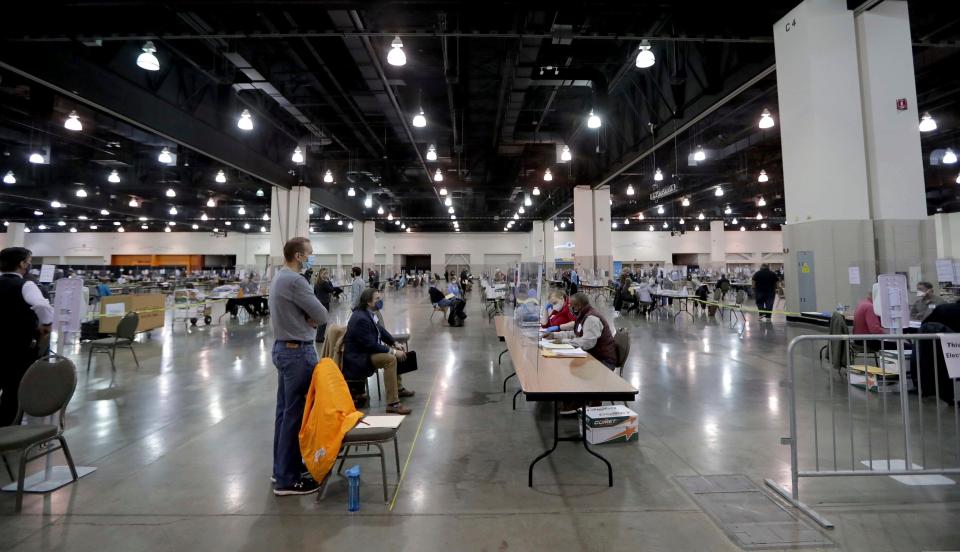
608 424
150 307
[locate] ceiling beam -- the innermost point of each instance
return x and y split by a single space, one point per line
86 82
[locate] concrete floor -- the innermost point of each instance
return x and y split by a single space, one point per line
183 451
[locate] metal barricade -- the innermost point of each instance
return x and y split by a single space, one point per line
841 426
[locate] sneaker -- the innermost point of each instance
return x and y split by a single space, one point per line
273 479
406 392
302 487
398 408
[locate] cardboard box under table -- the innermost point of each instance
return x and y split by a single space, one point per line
150 307
609 424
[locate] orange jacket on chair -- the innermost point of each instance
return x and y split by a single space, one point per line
328 415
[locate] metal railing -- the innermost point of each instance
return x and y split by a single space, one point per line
841 425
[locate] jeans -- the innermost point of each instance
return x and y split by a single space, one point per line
294 372
765 302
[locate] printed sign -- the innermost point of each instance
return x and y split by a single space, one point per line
951 353
894 306
944 270
853 274
46 273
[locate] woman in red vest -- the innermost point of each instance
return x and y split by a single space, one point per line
558 312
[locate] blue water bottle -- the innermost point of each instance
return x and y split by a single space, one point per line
353 496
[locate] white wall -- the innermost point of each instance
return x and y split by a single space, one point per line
627 246
659 247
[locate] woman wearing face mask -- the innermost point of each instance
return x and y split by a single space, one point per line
558 312
368 346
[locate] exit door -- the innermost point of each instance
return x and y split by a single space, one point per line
806 286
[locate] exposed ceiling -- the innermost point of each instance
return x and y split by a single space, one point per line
502 85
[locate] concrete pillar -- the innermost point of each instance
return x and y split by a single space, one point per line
853 182
718 245
535 245
15 235
289 218
549 251
592 234
364 252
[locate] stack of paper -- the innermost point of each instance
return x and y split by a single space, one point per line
547 344
573 352
380 421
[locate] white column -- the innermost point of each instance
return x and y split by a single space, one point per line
289 218
549 252
364 253
535 244
592 233
15 235
718 245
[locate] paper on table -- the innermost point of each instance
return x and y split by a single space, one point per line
380 421
565 353
115 309
547 344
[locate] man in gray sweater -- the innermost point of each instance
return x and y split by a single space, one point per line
295 313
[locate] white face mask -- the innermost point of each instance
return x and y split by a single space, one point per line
920 293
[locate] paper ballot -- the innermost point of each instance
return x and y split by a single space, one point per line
380 421
547 344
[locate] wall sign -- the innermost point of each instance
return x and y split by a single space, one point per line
901 104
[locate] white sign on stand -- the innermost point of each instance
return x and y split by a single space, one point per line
945 270
46 273
67 307
894 305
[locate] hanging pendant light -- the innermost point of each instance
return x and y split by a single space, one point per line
165 157
450 210
696 228
701 216
665 225
133 202
728 210
328 177
73 122
297 156
536 191
204 217
658 176
171 192
521 210
431 153
949 158
563 224
734 221
148 60
211 202
699 154
685 202
527 201
104 212
759 216
682 221
396 57
9 178
438 176
443 191
368 202
221 177
547 176
762 202
565 153
645 57
718 191
81 193
763 226
763 176
349 226
626 221
114 177
614 225
351 192
630 190
36 158
640 216
326 216
927 123
390 216
659 209
259 192
593 121
265 217
245 122
766 120
241 210
419 120
743 228
380 210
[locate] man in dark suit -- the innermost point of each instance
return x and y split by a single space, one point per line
368 346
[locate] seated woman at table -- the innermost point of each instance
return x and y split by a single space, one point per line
558 314
642 293
590 332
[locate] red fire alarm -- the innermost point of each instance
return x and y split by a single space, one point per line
901 104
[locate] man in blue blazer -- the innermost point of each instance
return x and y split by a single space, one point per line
368 346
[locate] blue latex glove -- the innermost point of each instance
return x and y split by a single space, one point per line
552 329
549 306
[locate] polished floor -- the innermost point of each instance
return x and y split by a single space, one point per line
183 451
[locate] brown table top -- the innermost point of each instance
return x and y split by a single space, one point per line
544 378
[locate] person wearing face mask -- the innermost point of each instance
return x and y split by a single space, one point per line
25 323
927 300
368 347
323 289
295 313
590 332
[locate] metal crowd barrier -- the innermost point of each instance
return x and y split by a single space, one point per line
841 425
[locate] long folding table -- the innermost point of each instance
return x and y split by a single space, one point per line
570 380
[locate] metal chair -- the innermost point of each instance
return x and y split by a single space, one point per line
122 339
45 389
376 437
436 309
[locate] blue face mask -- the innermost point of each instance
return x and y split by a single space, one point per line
378 305
308 263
